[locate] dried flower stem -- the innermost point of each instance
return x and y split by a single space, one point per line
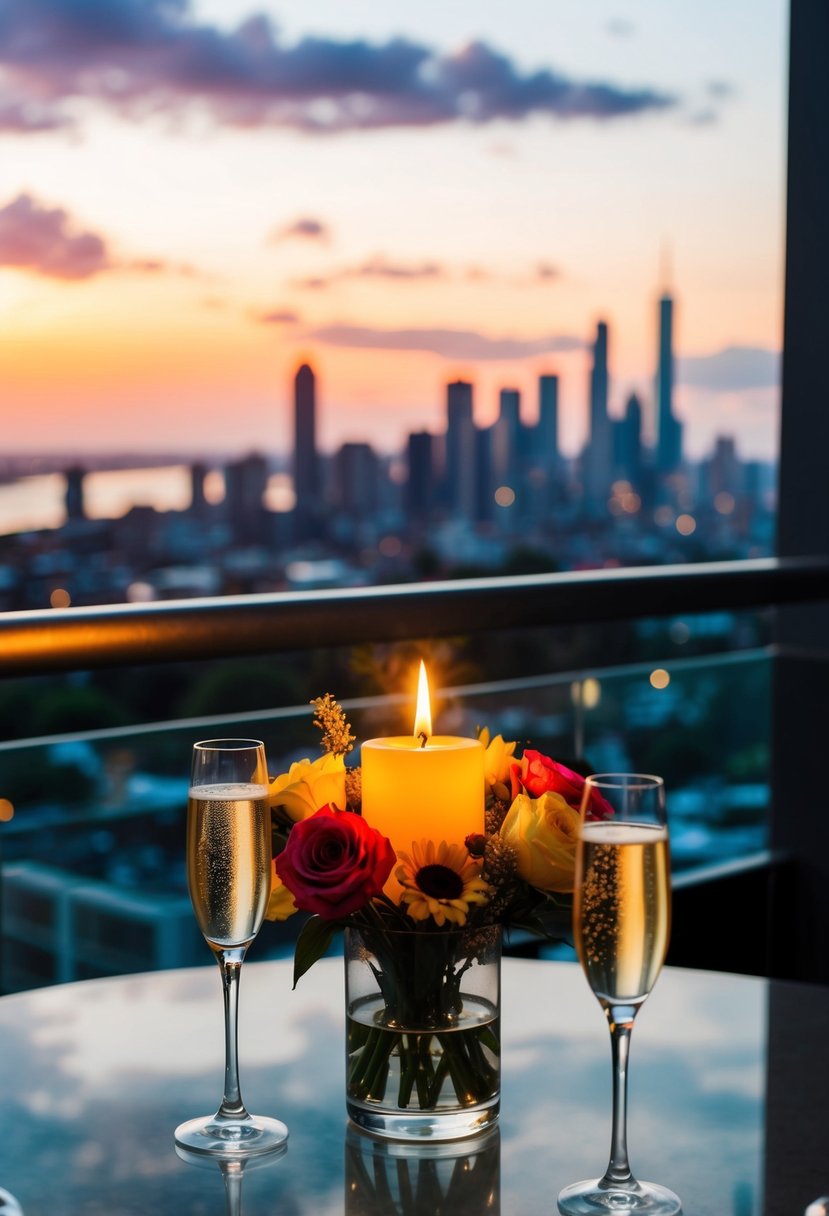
337 739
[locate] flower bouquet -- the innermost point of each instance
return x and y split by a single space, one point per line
423 926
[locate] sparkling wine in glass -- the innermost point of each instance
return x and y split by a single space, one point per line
229 876
621 919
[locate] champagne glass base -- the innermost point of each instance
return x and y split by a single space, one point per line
251 1137
595 1197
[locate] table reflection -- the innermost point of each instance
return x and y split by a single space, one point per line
232 1172
384 1178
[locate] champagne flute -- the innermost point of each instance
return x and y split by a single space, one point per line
229 876
621 919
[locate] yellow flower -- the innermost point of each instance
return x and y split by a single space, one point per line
307 786
281 903
543 832
440 881
497 759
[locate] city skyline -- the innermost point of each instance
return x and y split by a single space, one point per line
400 199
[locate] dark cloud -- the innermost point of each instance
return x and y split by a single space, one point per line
281 316
378 268
734 369
141 56
303 229
450 343
42 239
545 272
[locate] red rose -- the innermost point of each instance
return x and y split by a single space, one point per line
537 774
334 863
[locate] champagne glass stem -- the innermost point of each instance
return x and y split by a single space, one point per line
620 1018
230 964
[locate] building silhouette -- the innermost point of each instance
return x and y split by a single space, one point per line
306 461
668 427
74 495
419 497
628 454
198 498
547 431
245 483
598 457
459 471
355 488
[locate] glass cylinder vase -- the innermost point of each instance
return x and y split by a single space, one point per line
423 1040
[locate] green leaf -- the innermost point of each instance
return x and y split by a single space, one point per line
315 937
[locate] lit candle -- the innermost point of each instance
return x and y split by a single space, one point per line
423 786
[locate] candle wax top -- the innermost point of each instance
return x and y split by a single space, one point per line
415 744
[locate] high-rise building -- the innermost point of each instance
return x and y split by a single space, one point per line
547 431
668 427
246 481
629 444
507 435
459 470
356 480
598 456
420 478
306 468
198 498
74 495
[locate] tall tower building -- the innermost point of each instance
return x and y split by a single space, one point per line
74 494
599 454
629 453
507 436
668 427
548 421
419 495
459 471
306 459
198 498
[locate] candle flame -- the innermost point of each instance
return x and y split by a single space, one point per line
423 713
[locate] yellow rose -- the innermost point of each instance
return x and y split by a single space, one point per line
497 759
281 903
544 832
308 785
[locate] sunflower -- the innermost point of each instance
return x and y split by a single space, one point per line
440 881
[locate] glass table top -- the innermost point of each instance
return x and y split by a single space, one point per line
728 1074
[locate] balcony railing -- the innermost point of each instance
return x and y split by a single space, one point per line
44 642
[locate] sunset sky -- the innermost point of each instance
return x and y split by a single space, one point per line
197 196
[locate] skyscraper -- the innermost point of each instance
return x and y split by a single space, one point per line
629 446
356 480
668 427
306 459
74 495
598 457
419 496
507 437
547 446
459 471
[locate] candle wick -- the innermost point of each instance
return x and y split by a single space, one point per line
422 736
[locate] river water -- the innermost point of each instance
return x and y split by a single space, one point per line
37 502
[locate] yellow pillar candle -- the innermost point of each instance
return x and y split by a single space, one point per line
423 787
